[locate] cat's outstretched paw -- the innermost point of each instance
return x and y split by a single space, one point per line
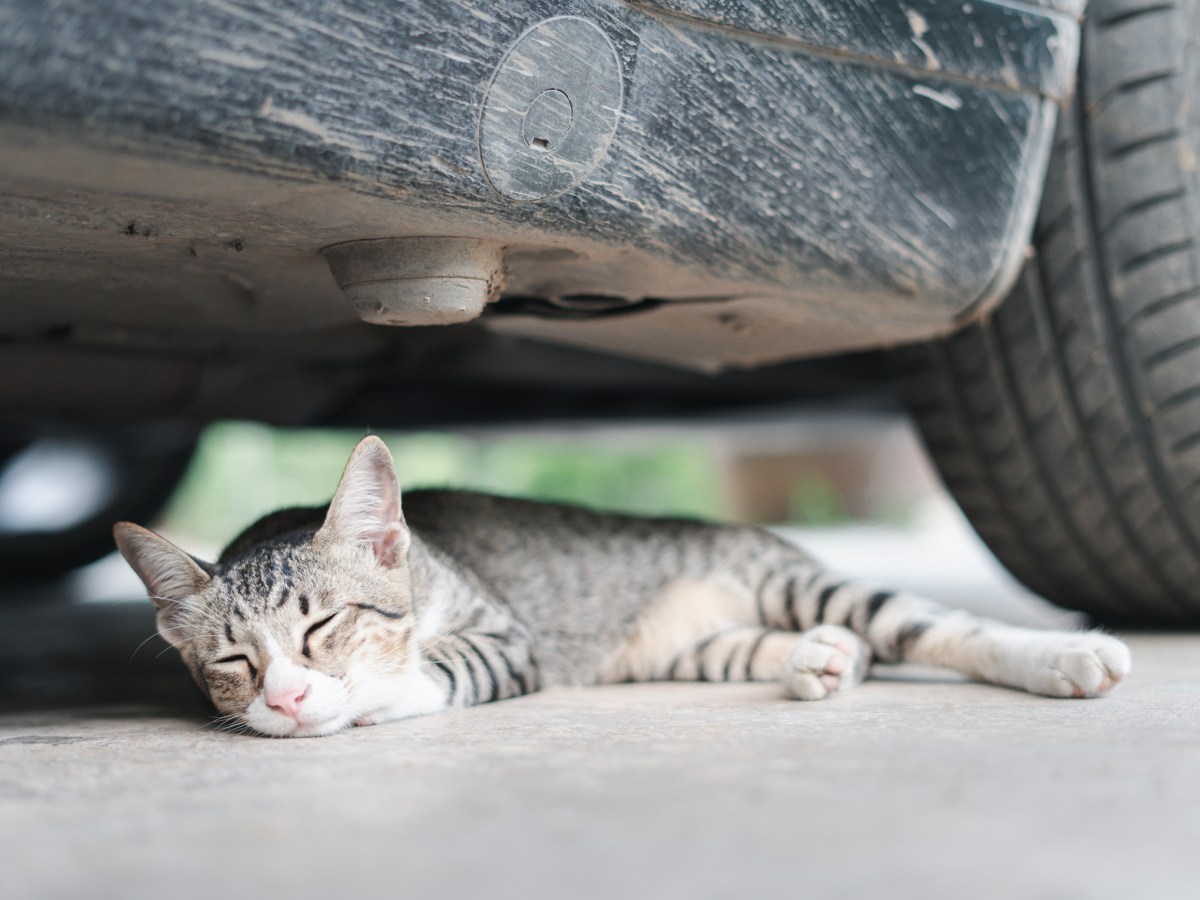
1080 665
826 660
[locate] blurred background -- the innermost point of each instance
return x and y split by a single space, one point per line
854 487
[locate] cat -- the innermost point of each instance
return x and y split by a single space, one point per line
317 619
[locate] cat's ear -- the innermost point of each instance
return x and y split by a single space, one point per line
172 577
366 508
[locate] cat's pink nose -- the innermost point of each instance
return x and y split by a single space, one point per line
287 701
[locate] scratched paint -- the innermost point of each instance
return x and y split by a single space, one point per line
806 158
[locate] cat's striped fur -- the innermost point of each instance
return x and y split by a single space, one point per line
316 619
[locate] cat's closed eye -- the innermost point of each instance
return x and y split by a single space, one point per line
239 658
314 629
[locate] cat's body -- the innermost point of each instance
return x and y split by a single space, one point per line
579 582
315 619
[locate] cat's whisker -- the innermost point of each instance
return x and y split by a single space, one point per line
143 644
228 724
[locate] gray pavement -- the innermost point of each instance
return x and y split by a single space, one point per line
113 784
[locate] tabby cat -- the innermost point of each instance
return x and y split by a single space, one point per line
362 612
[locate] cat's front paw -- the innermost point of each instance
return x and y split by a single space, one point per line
826 659
1081 665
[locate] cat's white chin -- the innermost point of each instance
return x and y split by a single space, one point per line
291 728
313 722
320 729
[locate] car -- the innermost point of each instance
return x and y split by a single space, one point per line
432 212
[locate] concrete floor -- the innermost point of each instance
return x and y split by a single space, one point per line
914 785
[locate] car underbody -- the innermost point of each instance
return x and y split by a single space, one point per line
661 186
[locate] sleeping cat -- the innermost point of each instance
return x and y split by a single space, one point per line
362 612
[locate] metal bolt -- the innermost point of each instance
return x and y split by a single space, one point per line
418 280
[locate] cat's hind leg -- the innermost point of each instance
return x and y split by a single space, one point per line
901 627
1051 663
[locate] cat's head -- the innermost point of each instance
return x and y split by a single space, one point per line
301 635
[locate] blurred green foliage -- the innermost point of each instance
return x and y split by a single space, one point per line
243 471
815 500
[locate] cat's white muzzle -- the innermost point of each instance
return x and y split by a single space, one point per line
298 702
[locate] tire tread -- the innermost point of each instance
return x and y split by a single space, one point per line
1064 423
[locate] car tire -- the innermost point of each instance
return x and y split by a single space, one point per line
1067 423
145 464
